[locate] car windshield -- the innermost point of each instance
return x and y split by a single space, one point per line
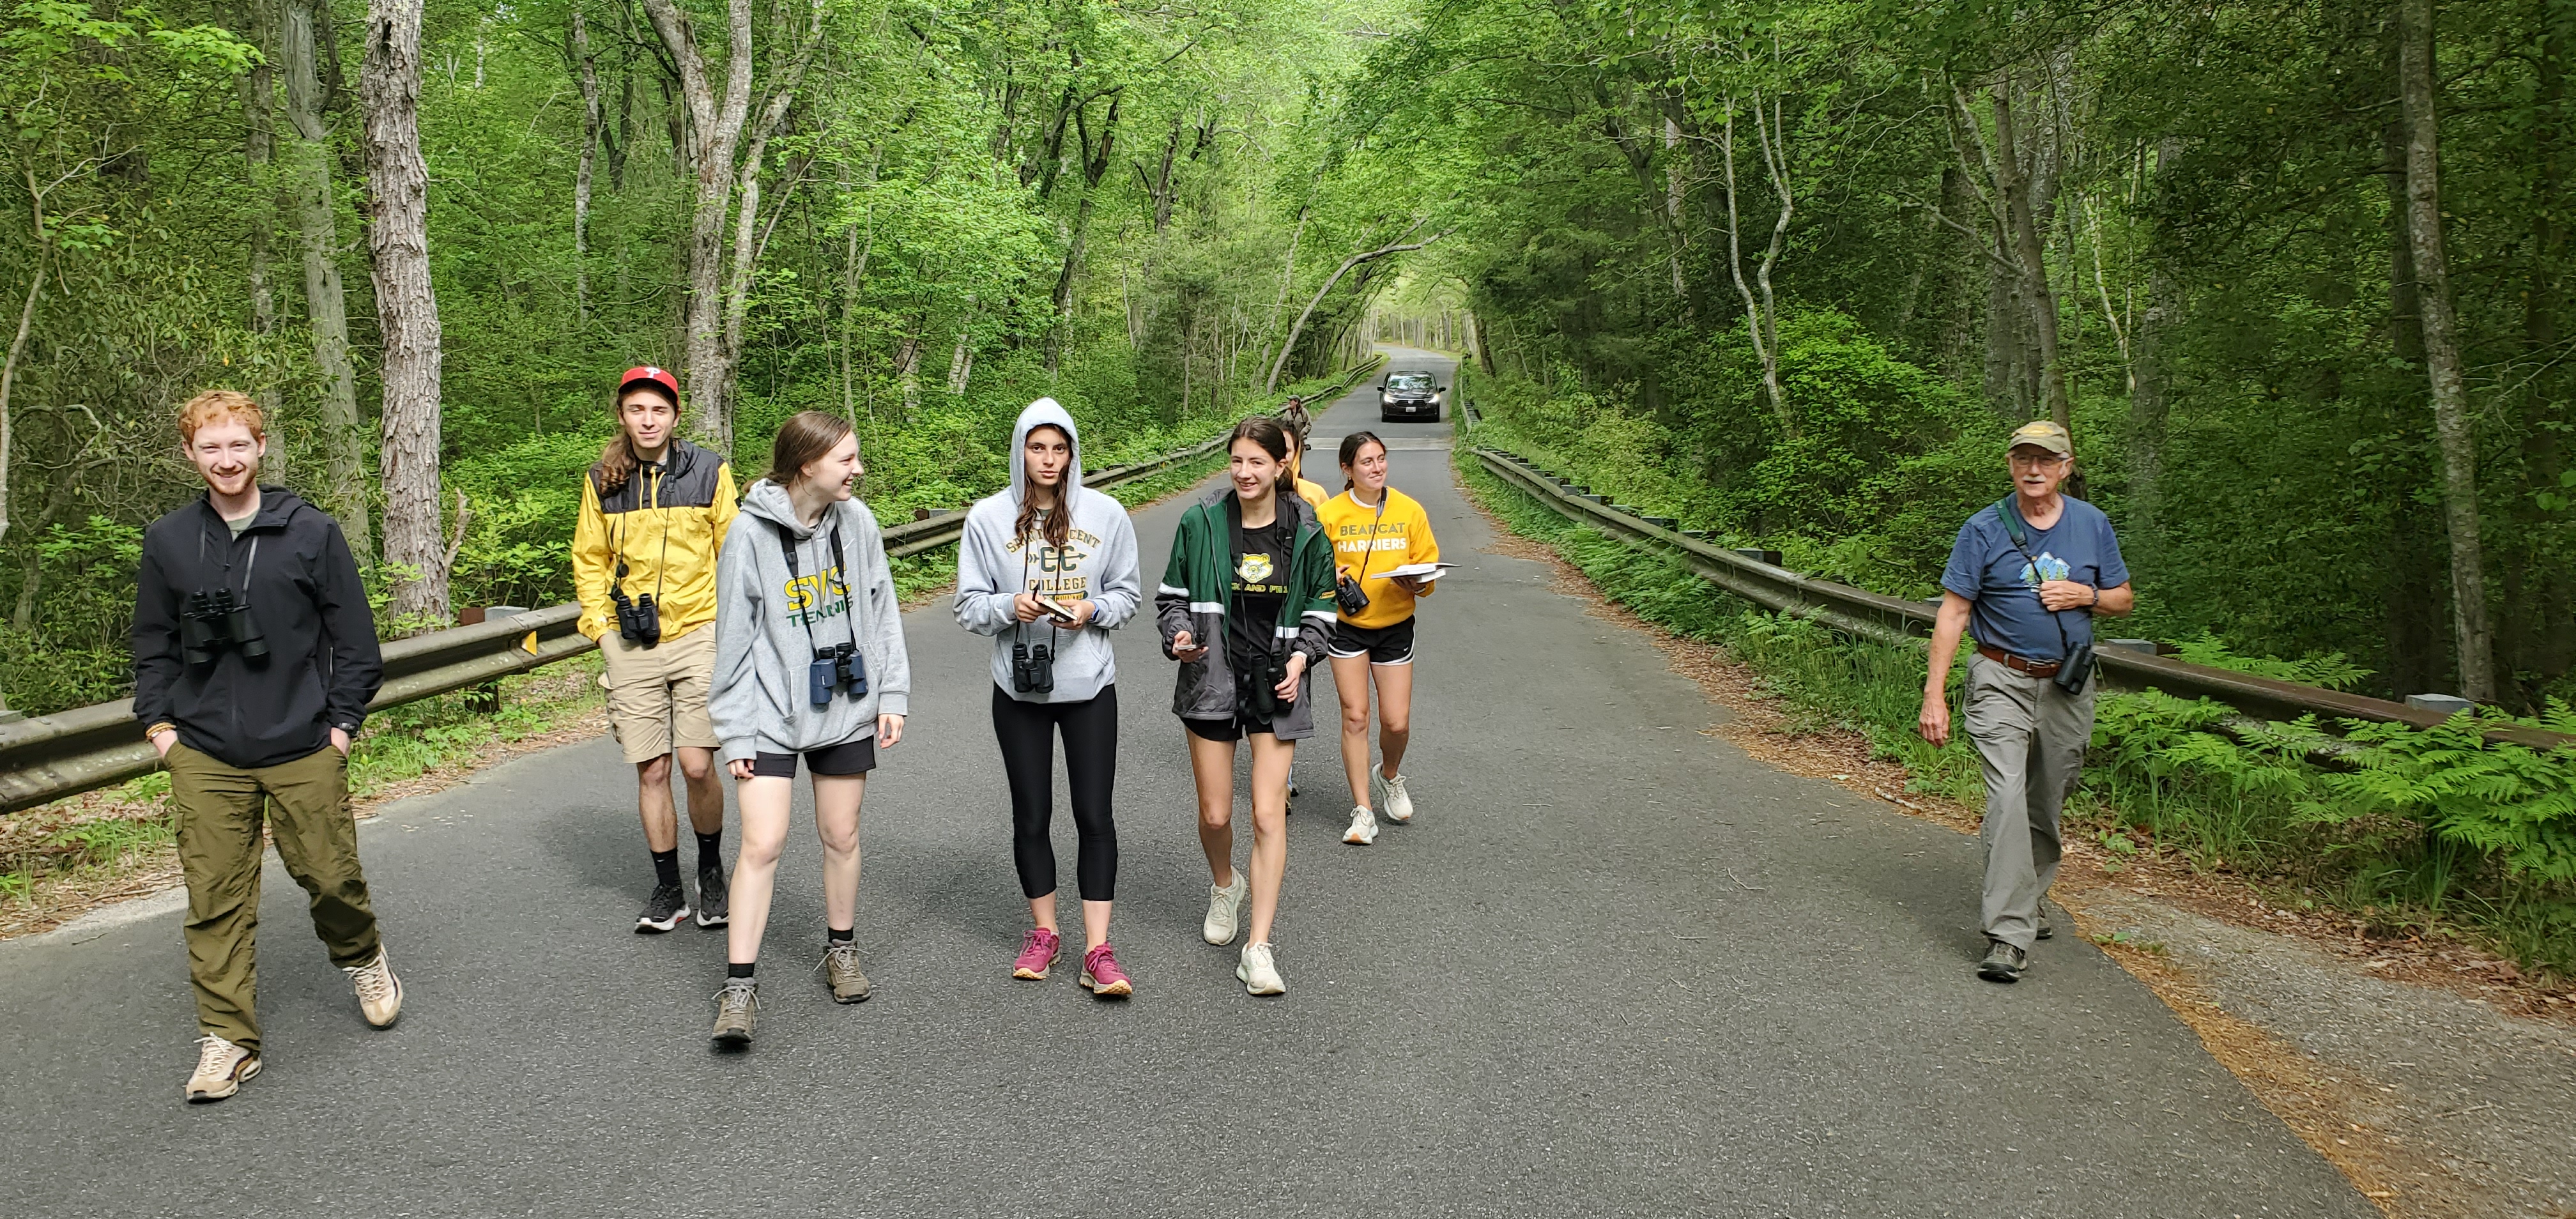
1409 380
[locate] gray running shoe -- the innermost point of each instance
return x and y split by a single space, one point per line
2003 963
841 970
712 911
667 908
2045 931
737 1006
1225 909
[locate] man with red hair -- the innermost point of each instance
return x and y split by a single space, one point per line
254 660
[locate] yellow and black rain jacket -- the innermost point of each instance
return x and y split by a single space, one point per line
666 525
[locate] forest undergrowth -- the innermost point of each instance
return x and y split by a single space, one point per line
2415 832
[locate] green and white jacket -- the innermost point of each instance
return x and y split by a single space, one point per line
1196 595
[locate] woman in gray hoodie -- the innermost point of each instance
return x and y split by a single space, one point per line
809 661
1047 567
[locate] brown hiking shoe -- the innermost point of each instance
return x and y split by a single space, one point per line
737 1006
380 993
221 1069
841 970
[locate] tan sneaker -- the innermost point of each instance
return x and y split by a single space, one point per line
380 993
841 970
221 1068
737 1008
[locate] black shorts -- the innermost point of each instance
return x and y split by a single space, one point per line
847 758
1383 645
1229 729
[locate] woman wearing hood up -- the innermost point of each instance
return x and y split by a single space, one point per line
809 662
1047 567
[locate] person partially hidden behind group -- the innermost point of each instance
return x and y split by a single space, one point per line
254 660
1246 607
1047 567
654 509
1375 529
810 662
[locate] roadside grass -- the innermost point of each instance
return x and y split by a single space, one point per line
2370 844
59 857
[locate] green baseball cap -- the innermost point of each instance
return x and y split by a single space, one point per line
2042 433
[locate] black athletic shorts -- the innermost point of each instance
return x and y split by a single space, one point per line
847 758
1383 645
1229 729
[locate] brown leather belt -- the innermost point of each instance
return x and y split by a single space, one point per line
2035 668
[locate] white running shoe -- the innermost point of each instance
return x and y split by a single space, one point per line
1363 829
1225 909
222 1068
1258 973
1392 797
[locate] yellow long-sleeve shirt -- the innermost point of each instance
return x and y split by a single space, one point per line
1363 537
667 522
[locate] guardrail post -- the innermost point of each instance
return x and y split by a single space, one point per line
2446 704
485 698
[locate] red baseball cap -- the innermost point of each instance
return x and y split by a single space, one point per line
649 375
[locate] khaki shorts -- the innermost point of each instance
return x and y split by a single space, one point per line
657 696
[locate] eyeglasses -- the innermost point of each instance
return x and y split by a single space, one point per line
2038 457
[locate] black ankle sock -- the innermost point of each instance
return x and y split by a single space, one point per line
737 971
711 852
837 937
666 866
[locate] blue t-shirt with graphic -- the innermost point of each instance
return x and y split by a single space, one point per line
1987 569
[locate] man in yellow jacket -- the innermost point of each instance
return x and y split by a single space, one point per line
654 511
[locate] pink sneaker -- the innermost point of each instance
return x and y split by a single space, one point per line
1102 977
1036 953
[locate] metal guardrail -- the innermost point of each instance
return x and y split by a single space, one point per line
1888 619
47 757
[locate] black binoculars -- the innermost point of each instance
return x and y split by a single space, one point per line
834 667
1257 690
1032 668
217 619
639 621
2076 671
1351 596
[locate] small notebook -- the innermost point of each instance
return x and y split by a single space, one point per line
1419 571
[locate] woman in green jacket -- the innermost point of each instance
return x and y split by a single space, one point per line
1246 606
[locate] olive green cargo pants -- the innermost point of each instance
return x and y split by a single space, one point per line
219 809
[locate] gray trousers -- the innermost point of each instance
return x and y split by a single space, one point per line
2031 738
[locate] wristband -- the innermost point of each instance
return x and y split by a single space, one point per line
158 729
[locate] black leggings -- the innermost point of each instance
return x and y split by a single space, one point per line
1027 735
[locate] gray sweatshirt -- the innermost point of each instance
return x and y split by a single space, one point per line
768 624
1097 565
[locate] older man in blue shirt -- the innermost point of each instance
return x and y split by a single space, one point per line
2026 576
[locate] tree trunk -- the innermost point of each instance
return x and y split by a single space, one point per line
2545 644
407 309
1760 323
18 342
588 65
2024 186
342 432
259 151
2451 422
1095 164
712 139
2443 351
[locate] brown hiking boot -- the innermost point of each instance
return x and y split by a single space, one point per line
737 1006
221 1069
380 993
841 970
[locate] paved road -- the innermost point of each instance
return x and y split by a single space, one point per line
1615 968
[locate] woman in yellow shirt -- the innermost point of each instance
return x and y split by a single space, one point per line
1376 529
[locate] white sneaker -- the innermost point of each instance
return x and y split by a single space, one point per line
1225 909
1392 797
221 1068
1258 973
1363 829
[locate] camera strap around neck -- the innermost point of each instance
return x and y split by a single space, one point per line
2016 529
1018 628
787 543
1374 522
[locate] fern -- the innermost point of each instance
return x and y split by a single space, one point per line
2331 670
